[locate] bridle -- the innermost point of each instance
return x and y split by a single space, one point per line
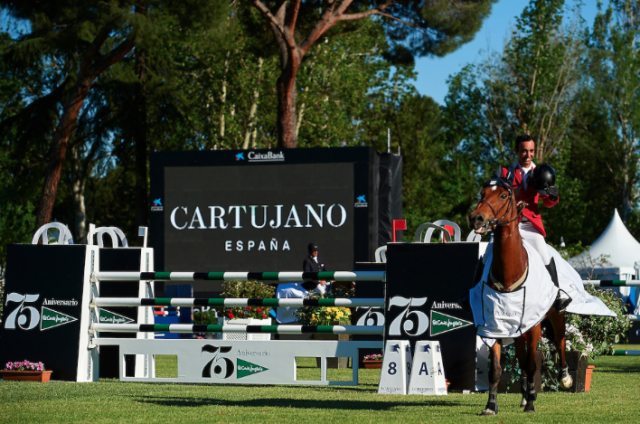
498 222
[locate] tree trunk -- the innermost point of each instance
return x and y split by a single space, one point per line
60 143
89 71
141 142
223 95
626 194
79 183
286 85
254 108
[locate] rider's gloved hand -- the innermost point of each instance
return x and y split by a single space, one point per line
553 193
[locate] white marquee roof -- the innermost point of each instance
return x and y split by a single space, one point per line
617 242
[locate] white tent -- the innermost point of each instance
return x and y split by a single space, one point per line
622 251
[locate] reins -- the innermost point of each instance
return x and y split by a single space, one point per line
498 222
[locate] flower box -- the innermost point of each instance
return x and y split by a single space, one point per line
243 336
41 376
372 364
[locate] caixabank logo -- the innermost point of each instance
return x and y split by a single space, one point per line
361 202
24 314
253 156
157 205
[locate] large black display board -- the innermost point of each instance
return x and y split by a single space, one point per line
257 210
424 281
42 307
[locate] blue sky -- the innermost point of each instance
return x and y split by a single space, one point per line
433 72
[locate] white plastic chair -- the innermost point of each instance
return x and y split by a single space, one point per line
430 228
381 254
64 235
116 234
457 233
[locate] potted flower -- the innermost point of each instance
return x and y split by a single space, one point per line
373 361
245 315
25 371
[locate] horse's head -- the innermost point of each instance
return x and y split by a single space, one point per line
496 207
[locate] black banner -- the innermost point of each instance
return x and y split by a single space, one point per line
424 281
42 307
257 210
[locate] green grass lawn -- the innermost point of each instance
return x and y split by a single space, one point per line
614 397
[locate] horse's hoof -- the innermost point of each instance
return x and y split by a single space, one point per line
523 403
490 409
566 382
529 407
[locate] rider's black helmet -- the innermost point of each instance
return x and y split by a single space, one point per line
543 177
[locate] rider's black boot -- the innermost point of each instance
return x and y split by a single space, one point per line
561 303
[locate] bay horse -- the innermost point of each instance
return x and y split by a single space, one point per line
497 211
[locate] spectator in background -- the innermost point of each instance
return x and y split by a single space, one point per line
314 263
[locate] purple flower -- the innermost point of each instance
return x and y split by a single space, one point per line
24 365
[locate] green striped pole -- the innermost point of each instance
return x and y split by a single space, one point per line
274 329
612 283
626 352
230 302
242 276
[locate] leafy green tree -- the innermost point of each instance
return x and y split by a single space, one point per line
414 27
82 41
19 162
614 58
530 87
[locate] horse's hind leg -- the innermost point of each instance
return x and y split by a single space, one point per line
557 322
495 372
533 336
521 354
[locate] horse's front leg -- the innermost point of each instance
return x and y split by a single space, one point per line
495 372
533 336
521 354
557 322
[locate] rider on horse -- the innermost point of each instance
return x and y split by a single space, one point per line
532 183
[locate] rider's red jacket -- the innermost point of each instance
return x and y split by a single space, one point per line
531 197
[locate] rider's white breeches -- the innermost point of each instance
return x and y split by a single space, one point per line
535 239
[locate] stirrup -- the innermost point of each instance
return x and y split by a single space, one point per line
561 304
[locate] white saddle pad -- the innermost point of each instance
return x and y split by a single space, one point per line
582 303
509 315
